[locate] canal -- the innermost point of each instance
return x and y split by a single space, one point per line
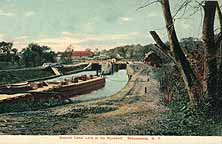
114 83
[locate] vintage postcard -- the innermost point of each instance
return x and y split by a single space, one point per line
110 71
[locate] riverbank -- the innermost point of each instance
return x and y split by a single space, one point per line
130 111
36 73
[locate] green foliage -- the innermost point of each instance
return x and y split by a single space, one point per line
29 105
66 56
190 44
183 119
136 52
8 53
36 55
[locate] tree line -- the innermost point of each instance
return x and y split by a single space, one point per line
138 52
31 56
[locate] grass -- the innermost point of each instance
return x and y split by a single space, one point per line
23 75
16 76
8 65
29 105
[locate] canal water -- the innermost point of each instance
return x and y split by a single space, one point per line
114 83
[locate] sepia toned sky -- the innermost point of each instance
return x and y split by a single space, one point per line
85 24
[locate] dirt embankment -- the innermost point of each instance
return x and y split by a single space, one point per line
130 111
35 74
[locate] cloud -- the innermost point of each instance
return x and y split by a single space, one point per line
2 37
125 19
78 41
23 37
81 41
67 33
29 13
4 13
109 37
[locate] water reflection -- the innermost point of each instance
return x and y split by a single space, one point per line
114 83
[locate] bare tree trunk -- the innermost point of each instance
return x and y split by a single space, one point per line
210 48
219 84
159 42
219 45
219 13
181 61
161 45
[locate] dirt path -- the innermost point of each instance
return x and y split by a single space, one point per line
130 111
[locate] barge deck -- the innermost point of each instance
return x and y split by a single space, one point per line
61 90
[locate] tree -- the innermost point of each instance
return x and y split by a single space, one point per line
10 54
27 57
182 63
36 55
219 45
6 46
66 56
14 56
210 52
6 49
211 62
122 51
49 57
97 52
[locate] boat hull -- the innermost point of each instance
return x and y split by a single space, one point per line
59 92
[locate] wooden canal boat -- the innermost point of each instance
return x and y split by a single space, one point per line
15 88
42 91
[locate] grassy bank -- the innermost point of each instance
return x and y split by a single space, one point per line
21 106
21 75
15 76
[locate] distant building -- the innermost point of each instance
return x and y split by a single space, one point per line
82 54
152 59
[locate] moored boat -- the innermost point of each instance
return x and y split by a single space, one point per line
42 91
15 88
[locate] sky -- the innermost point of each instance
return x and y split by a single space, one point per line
102 24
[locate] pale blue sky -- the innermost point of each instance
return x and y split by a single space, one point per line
85 23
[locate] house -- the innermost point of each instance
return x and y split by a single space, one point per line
82 54
152 59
